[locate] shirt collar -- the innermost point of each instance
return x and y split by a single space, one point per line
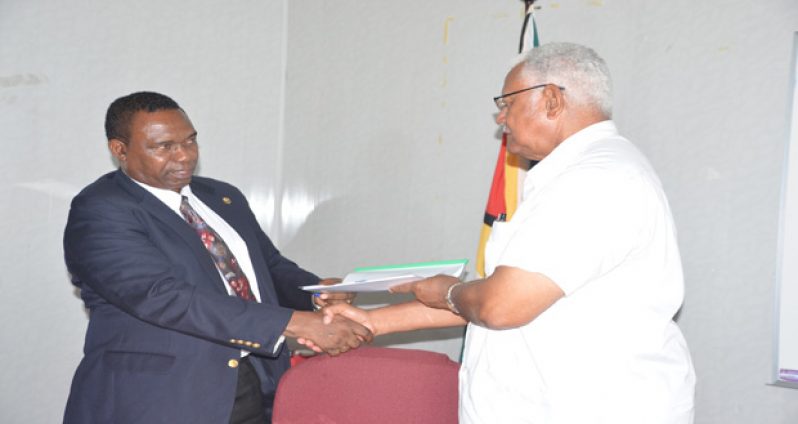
170 198
565 154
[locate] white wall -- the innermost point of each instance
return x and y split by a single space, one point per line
61 64
389 128
383 147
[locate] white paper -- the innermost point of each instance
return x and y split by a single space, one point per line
384 278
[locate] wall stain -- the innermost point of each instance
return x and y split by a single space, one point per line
449 20
8 99
444 82
22 80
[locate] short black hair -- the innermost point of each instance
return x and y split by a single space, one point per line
120 111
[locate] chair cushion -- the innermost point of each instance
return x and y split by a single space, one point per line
369 385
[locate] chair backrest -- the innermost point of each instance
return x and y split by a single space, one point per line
369 385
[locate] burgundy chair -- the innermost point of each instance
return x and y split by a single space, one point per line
369 385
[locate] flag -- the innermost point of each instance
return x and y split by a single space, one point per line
510 169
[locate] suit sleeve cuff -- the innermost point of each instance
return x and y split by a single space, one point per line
278 345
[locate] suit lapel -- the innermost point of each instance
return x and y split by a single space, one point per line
229 208
162 213
220 203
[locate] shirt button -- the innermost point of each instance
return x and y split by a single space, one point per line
232 363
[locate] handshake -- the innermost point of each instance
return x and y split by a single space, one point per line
334 335
340 327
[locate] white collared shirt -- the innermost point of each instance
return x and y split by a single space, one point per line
595 221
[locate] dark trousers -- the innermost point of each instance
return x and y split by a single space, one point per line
249 406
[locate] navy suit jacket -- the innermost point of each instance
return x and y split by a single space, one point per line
164 335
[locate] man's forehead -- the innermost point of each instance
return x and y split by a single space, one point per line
163 122
516 77
519 73
161 117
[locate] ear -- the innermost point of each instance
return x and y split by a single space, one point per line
118 149
555 102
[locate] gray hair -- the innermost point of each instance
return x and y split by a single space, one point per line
579 69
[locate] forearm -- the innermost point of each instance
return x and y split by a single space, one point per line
409 316
509 298
287 276
474 304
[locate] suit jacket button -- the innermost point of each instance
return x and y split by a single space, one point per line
256 345
248 343
233 363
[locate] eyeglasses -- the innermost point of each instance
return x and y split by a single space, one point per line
501 104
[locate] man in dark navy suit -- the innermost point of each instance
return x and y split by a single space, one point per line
189 301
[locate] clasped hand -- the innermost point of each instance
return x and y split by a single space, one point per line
332 336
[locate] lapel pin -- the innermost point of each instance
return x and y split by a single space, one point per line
226 200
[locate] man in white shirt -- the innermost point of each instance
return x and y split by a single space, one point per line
574 323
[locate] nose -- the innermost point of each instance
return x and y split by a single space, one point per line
501 117
180 152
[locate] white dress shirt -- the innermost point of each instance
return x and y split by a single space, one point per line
595 221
